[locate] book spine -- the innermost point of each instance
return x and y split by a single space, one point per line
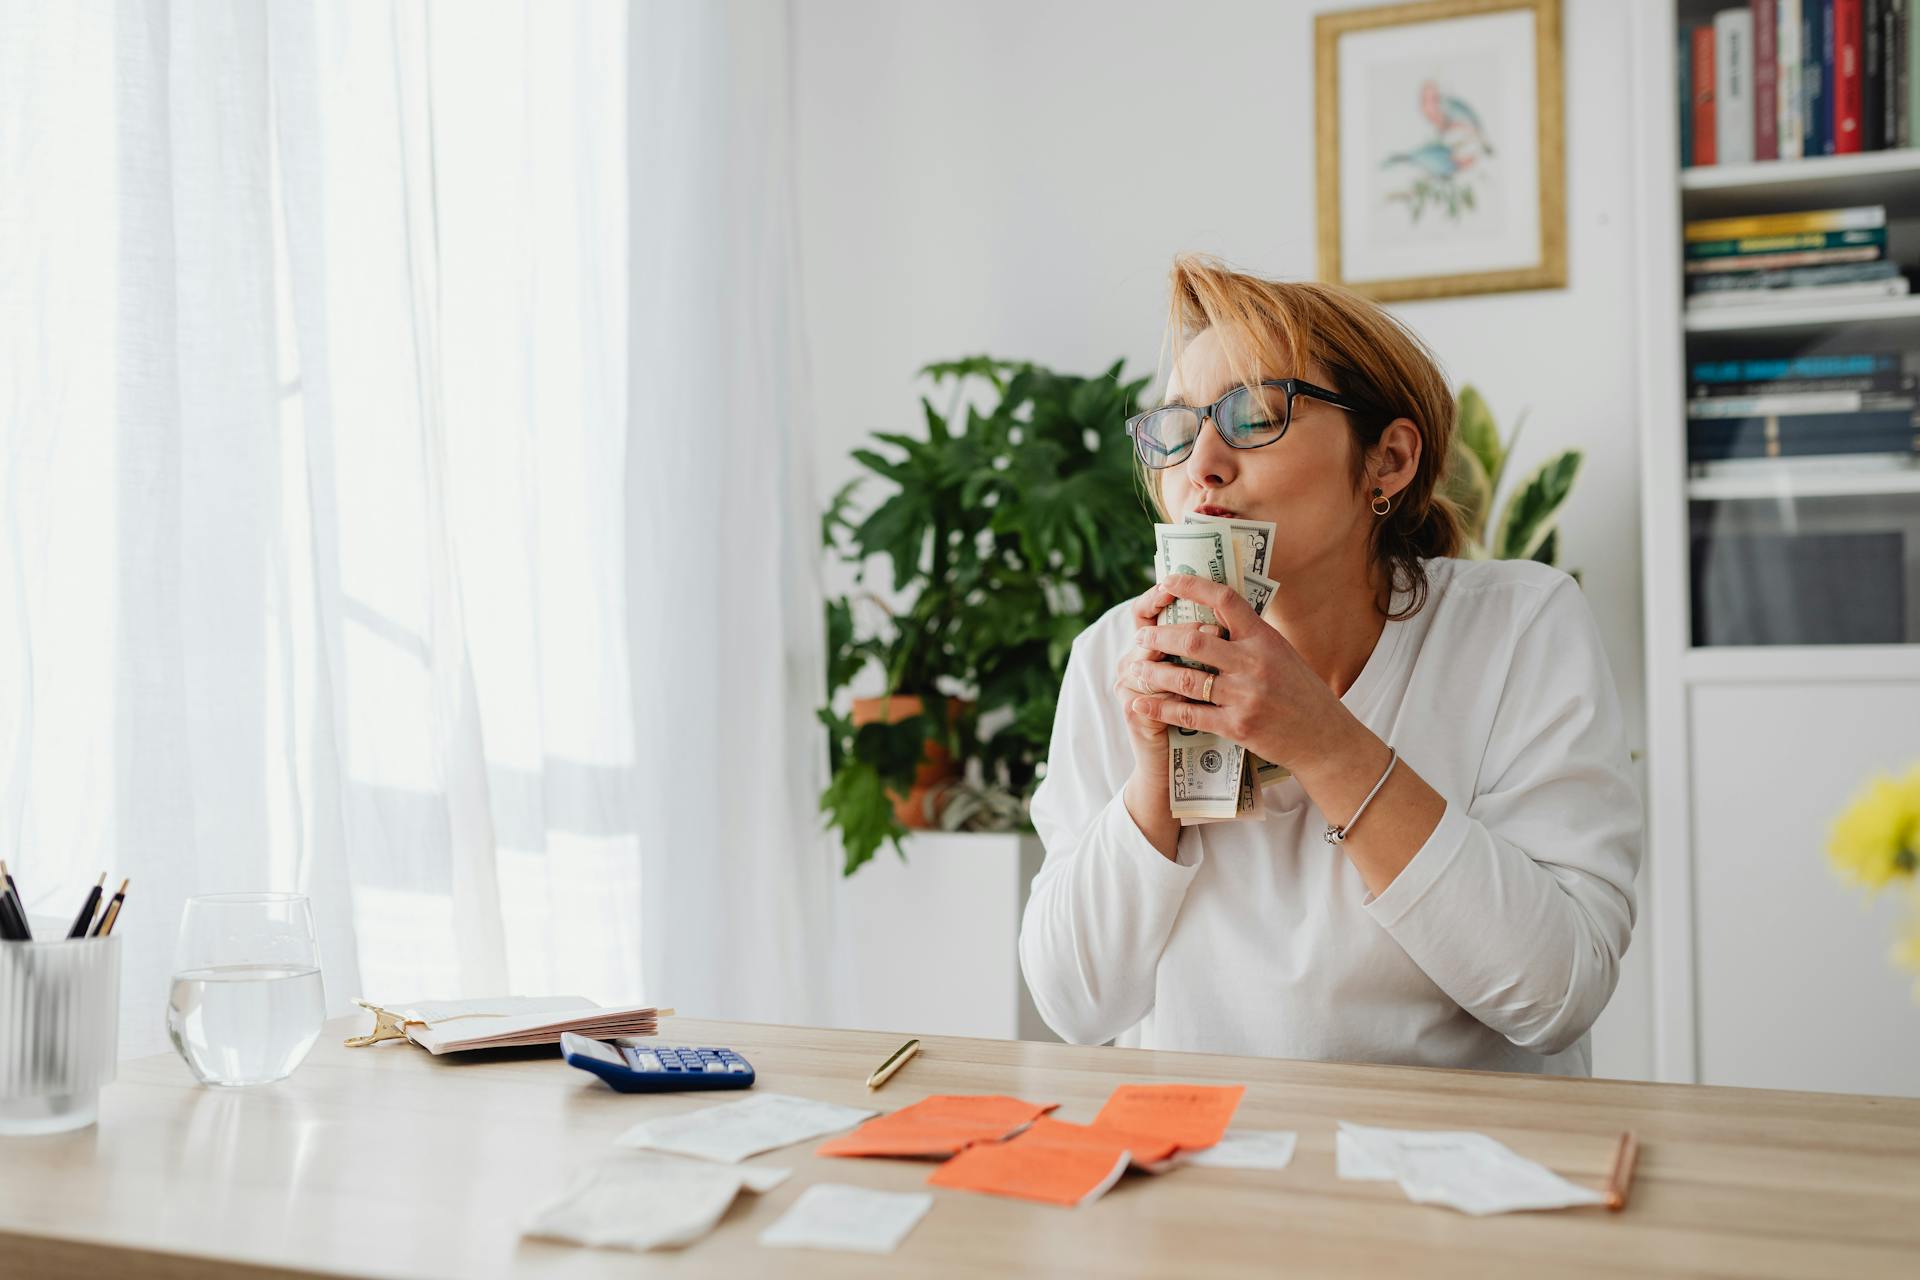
1789 240
1801 447
1775 261
1873 75
1863 424
1808 434
1819 72
1864 290
1766 81
1703 124
1846 76
1860 217
1790 279
1878 383
1792 107
1710 407
1733 86
1863 364
1685 95
1911 39
1892 71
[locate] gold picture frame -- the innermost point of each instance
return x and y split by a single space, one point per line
1355 241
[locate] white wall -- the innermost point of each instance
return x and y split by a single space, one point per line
1014 176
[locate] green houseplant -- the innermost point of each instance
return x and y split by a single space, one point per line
1006 534
1528 527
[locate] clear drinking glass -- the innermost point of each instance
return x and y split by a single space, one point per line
246 1003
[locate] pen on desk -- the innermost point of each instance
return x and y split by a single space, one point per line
886 1069
1620 1181
112 913
13 912
84 921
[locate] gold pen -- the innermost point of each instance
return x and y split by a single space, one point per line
886 1069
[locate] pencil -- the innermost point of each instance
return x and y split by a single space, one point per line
1620 1181
112 913
13 912
885 1071
84 920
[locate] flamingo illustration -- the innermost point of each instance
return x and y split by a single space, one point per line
1440 165
1446 113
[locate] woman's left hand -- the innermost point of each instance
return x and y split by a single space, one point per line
1264 696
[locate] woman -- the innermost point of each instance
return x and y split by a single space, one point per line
1473 913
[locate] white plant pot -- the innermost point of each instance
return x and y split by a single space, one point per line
930 946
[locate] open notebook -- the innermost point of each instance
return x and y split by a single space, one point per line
503 1022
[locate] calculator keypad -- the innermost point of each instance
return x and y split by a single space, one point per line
671 1059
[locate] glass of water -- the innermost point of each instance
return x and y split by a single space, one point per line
246 1003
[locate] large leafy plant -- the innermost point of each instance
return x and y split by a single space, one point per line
1528 527
1005 533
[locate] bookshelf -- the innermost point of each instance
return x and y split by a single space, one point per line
1790 485
1866 177
1804 320
1765 970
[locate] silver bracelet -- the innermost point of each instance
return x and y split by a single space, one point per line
1336 835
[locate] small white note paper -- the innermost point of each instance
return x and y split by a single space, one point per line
831 1216
735 1130
1245 1149
1465 1171
647 1201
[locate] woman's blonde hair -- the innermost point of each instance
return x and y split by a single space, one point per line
1268 326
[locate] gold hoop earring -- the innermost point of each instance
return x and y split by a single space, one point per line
1381 505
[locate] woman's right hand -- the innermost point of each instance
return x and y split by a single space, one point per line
1146 790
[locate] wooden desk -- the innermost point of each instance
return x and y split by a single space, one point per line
386 1161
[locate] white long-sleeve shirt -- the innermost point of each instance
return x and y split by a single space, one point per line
1496 947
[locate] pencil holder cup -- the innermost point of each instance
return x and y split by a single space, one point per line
59 1031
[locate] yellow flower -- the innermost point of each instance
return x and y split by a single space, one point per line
1875 839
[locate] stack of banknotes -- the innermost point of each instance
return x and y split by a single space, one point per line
1208 778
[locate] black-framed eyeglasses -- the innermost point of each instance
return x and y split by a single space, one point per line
1245 417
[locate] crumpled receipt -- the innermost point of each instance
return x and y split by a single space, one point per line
647 1201
1465 1171
1245 1149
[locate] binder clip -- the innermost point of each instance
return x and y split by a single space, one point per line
387 1025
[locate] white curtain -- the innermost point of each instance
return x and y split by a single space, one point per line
727 643
331 536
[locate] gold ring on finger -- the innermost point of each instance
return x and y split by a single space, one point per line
1206 690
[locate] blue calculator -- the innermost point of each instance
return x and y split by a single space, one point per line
656 1068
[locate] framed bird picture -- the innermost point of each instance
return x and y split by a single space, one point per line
1440 148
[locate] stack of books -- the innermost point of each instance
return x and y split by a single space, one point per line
1851 410
1821 255
1782 79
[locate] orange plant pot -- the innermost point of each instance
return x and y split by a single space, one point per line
936 765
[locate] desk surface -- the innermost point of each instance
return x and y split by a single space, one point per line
386 1161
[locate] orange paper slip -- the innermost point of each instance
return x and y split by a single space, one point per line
1188 1115
938 1126
1053 1162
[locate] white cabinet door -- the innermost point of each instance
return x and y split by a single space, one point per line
1795 990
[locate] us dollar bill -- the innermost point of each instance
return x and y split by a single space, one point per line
1252 539
1257 589
1204 770
1205 551
1253 550
1249 803
1204 775
1265 772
